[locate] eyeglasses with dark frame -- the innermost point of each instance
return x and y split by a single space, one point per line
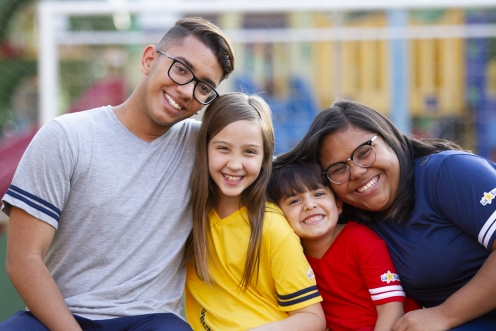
181 74
363 156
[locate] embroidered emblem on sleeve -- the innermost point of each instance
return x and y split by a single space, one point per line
487 198
310 273
389 277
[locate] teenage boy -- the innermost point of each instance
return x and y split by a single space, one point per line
98 206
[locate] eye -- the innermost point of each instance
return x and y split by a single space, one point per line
363 152
204 89
293 201
181 69
319 194
338 169
251 151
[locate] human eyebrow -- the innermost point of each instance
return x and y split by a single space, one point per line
288 199
217 142
192 68
252 146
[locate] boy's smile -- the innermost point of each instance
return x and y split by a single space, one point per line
312 214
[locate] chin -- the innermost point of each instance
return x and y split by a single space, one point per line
376 209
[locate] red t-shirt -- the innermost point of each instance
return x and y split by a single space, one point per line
354 275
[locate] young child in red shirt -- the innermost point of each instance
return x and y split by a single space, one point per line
353 269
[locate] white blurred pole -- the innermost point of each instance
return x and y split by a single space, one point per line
399 74
47 65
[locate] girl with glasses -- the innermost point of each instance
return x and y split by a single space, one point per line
428 199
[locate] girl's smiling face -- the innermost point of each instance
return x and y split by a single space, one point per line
373 188
235 157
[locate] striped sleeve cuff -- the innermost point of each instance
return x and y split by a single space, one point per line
34 202
487 231
298 297
386 292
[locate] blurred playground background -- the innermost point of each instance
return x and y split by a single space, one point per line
429 66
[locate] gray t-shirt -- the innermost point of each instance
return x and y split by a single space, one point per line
120 207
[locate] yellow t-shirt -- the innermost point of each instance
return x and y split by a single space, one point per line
285 280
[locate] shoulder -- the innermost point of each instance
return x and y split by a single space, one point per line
183 135
75 124
274 217
188 125
273 211
360 234
60 130
450 164
78 118
450 159
275 224
357 228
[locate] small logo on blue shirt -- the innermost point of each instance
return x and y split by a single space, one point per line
488 197
389 277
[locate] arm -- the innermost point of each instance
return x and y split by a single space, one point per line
387 315
476 297
310 318
28 242
471 301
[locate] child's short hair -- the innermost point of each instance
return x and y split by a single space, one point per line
294 178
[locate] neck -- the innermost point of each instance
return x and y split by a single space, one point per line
316 248
227 206
133 115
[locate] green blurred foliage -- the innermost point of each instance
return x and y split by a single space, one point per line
10 302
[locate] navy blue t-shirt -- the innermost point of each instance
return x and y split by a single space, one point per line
451 230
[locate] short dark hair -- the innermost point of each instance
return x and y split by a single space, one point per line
294 178
208 33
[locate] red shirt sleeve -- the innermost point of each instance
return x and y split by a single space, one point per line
377 268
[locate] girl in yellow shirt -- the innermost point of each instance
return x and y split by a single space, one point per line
247 270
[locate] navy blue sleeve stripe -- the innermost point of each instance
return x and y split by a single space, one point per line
34 205
302 299
299 293
35 198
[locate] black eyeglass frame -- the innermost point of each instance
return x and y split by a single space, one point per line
194 78
369 143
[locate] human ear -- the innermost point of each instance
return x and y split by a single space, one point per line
147 59
339 204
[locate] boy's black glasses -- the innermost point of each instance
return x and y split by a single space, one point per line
363 156
181 74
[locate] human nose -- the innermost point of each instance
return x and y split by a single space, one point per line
234 163
308 204
355 170
187 90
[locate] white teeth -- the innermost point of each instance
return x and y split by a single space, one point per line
172 102
369 185
232 178
313 219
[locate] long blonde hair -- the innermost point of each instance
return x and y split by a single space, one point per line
229 108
